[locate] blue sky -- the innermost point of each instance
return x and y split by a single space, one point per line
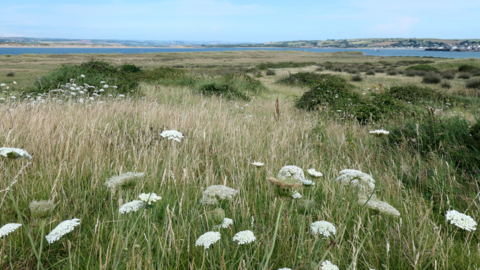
240 21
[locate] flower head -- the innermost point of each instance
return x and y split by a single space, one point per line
148 198
9 228
376 204
132 206
314 173
14 153
244 237
63 228
172 135
379 133
105 86
102 82
207 239
222 192
285 268
124 180
226 223
82 76
327 265
293 173
461 220
324 228
258 164
296 195
41 208
357 179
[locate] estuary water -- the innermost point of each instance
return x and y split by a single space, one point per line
373 52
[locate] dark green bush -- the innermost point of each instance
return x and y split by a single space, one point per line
10 74
370 72
270 72
379 70
265 66
474 83
410 73
432 78
357 78
464 75
353 71
423 67
129 68
377 107
414 94
337 69
222 89
449 74
466 68
446 85
392 72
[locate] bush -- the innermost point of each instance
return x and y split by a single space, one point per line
392 72
464 75
432 78
449 74
337 69
270 72
129 68
353 71
370 72
10 74
466 68
379 70
307 79
265 66
446 85
414 94
475 83
356 78
410 73
420 73
222 89
423 67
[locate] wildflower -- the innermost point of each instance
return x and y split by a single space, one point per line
14 83
296 195
258 164
9 228
324 228
379 133
293 173
63 228
461 220
72 80
148 198
244 237
376 204
220 191
102 82
115 87
41 208
14 153
105 86
314 173
81 92
82 76
357 179
207 239
131 206
226 223
91 98
285 268
172 135
327 265
2 85
284 187
120 96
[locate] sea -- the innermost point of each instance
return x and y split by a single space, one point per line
372 52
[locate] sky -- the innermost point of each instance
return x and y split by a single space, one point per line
240 21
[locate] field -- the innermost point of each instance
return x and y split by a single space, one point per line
234 109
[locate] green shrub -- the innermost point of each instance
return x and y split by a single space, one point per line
357 78
10 74
129 68
423 67
432 78
353 71
392 72
379 70
270 72
265 66
337 69
222 89
370 72
449 74
446 85
466 68
414 94
306 79
251 70
377 107
474 83
464 75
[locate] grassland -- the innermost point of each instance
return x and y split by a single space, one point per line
77 146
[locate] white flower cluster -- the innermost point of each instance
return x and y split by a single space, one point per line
63 228
124 178
327 265
226 223
379 133
258 164
244 237
461 220
285 268
314 173
14 153
132 206
222 192
148 198
381 206
172 135
9 228
324 228
296 195
357 179
293 172
207 239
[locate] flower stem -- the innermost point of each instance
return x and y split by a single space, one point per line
265 267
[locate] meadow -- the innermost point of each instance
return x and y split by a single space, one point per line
242 117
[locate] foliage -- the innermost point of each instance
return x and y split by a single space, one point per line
474 83
423 67
10 74
370 72
222 89
392 72
265 66
130 68
432 78
414 94
448 74
357 78
270 72
466 68
446 85
464 75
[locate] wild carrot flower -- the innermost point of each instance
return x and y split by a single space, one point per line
285 268
314 173
357 179
258 164
379 133
105 86
296 195
376 204
82 76
14 83
102 82
148 198
172 135
226 223
460 220
14 153
244 237
327 265
293 173
324 228
41 208
63 228
207 239
8 228
218 191
2 85
132 206
124 180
